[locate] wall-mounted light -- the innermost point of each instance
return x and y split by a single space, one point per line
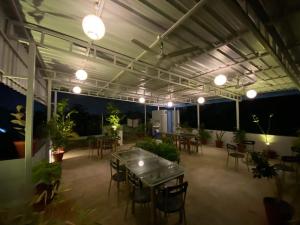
81 74
93 27
251 94
77 90
221 79
142 100
170 104
201 100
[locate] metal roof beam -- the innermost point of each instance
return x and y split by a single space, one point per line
266 35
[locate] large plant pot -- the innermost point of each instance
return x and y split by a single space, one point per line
45 194
219 144
278 212
58 154
20 147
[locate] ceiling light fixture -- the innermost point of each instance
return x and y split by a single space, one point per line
201 100
81 74
77 90
142 100
220 79
251 94
93 27
170 104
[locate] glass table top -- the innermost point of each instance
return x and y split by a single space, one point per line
150 168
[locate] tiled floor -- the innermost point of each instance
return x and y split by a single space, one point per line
216 194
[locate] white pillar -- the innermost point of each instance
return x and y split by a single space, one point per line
237 108
158 107
198 116
49 86
55 103
29 112
145 118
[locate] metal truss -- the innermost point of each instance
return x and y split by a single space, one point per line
116 60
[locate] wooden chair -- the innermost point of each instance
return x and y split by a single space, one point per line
196 144
172 199
137 193
249 147
92 143
117 174
107 143
232 152
182 142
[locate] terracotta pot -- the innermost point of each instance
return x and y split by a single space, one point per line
219 144
20 147
58 154
278 212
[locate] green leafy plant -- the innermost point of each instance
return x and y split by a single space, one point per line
262 167
114 119
239 136
164 150
204 135
19 119
61 126
45 172
219 135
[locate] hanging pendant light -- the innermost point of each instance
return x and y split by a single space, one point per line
170 104
142 100
201 100
220 79
251 94
93 27
77 90
81 74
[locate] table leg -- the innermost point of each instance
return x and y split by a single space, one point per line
153 214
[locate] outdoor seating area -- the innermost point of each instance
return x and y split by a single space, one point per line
144 112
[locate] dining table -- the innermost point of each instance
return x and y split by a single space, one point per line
150 168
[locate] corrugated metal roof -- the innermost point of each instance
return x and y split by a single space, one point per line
227 45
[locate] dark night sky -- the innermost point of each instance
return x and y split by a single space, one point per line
214 114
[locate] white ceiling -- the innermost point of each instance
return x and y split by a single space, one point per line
227 45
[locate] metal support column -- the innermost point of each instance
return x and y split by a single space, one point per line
237 108
29 113
55 103
198 116
49 86
145 118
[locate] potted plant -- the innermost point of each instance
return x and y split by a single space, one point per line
278 211
239 136
46 178
114 119
19 126
269 152
60 129
219 137
204 136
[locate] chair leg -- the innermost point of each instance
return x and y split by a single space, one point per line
227 160
109 186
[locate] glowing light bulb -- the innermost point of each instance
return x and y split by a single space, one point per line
220 80
77 90
93 27
201 100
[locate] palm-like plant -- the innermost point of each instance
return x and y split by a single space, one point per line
19 120
61 125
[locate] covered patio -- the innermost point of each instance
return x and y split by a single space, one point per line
163 55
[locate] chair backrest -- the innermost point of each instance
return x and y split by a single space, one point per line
114 166
175 192
250 144
231 147
133 180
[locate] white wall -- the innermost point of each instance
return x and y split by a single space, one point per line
280 144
